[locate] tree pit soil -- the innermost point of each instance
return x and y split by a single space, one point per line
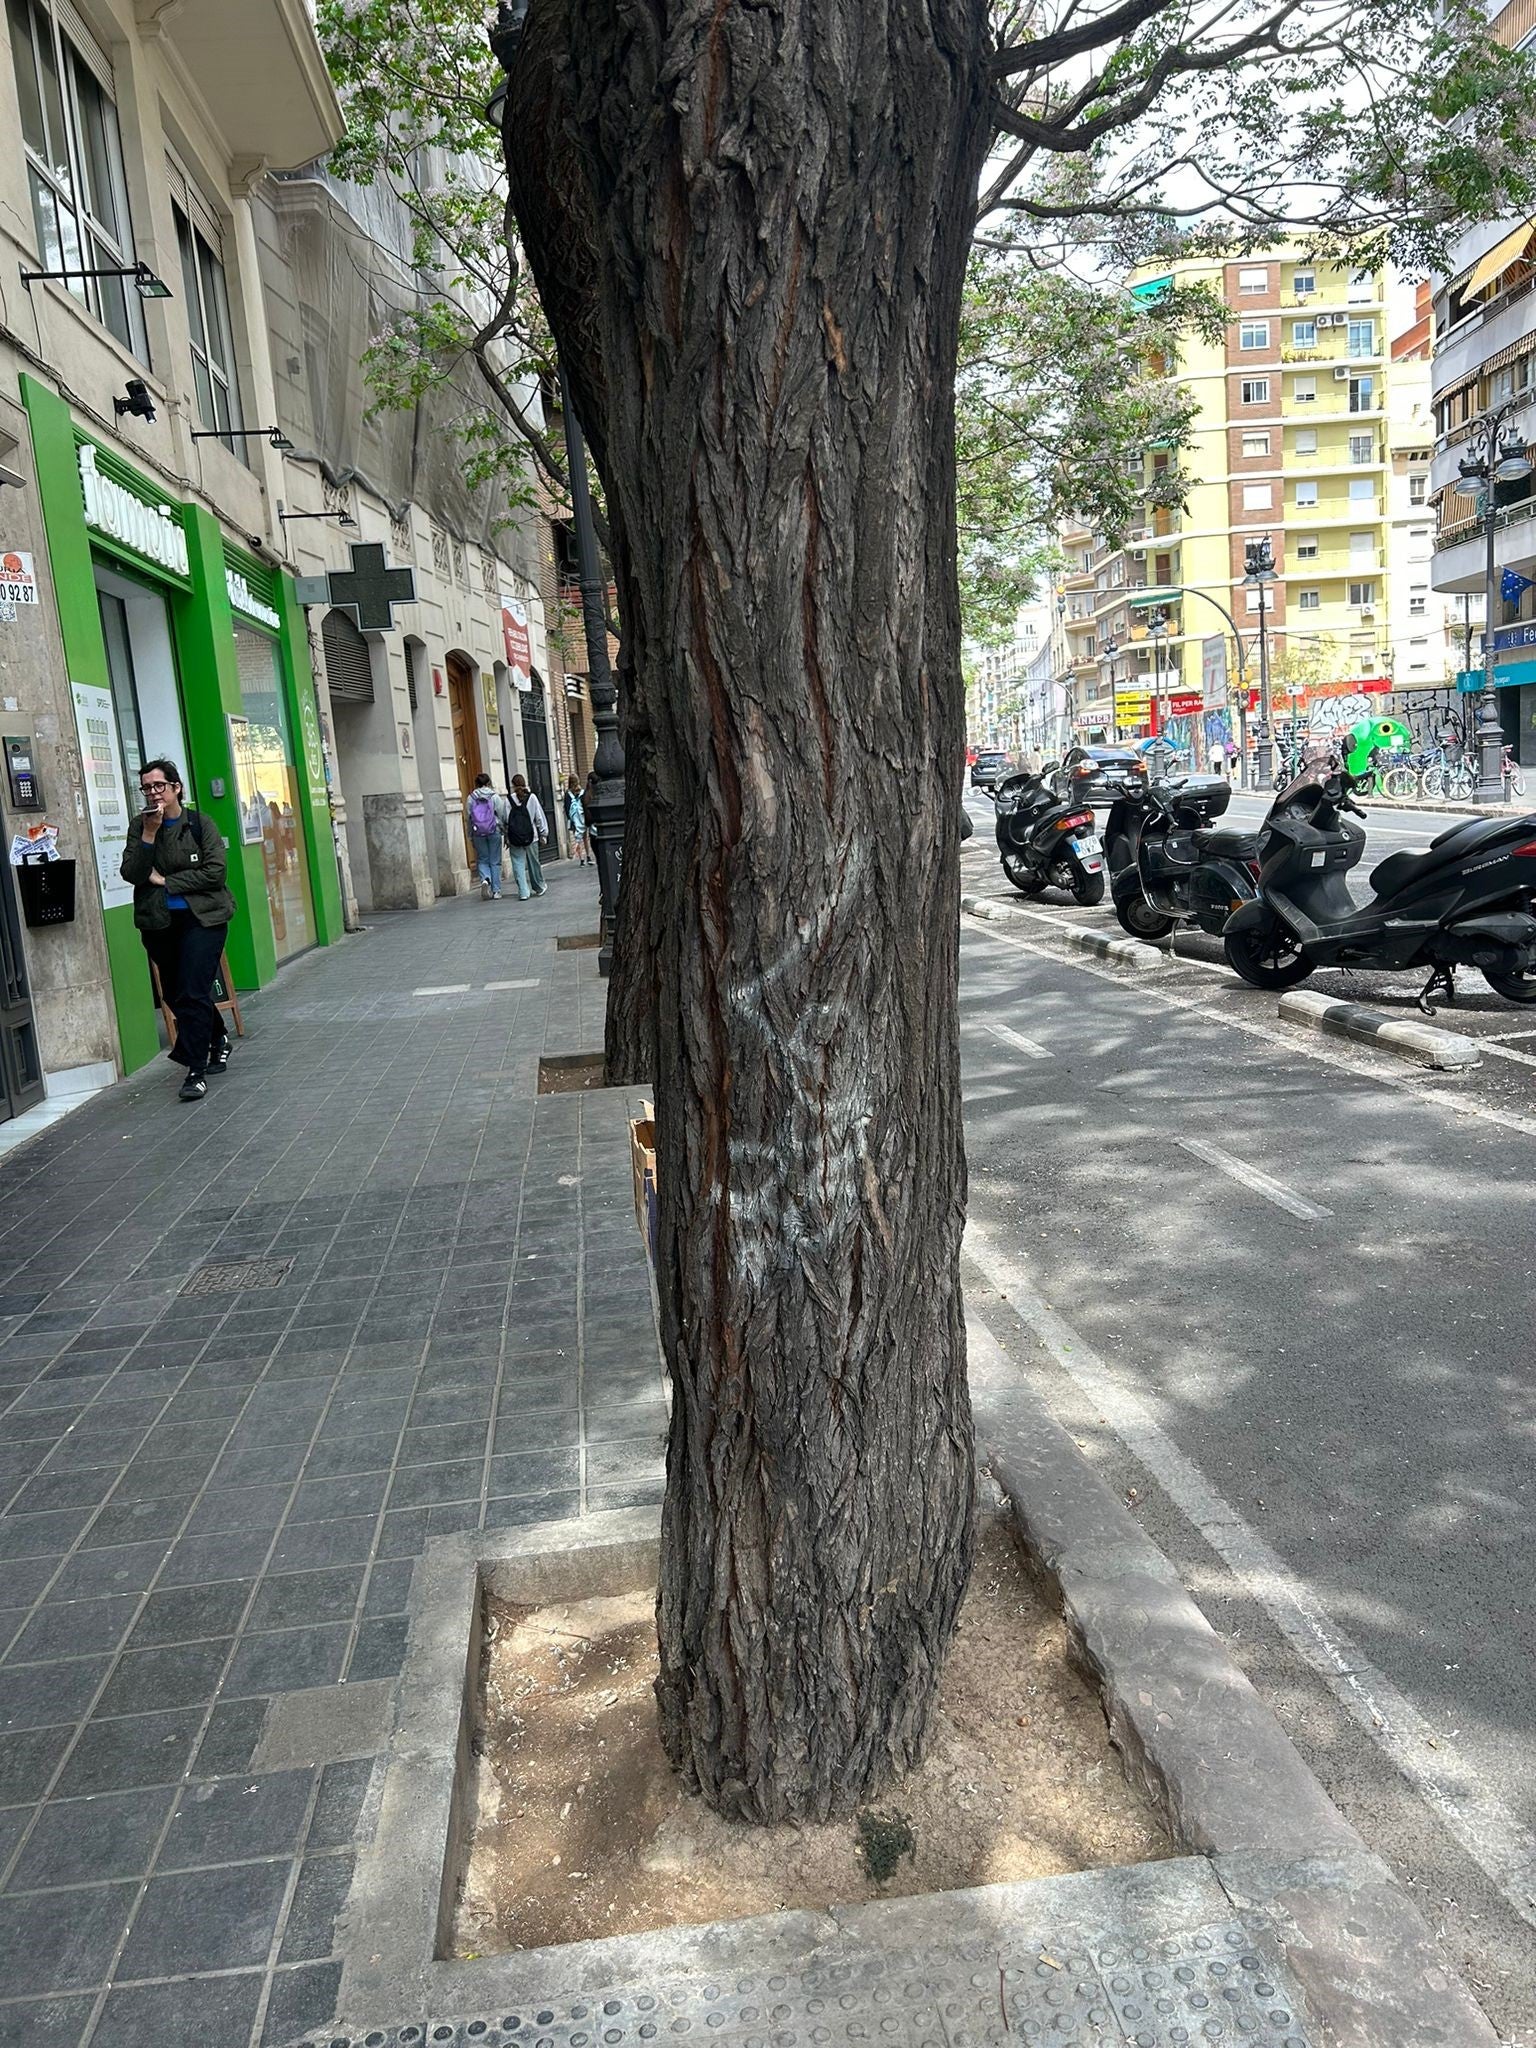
580 1827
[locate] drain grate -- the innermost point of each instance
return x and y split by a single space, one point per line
234 1276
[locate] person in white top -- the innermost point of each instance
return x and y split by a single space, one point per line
527 830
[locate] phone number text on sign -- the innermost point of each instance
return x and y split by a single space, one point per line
18 583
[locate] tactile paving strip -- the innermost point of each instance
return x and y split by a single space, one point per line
1204 1989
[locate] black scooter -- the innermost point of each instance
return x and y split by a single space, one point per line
1046 843
1167 864
1466 902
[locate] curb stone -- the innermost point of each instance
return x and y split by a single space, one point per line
1128 952
1429 1044
1194 1732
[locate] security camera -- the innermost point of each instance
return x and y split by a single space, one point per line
137 402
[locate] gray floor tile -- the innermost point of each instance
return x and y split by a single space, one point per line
49 1950
144 1749
45 2023
195 2012
319 1897
218 1919
288 1660
239 1817
33 1695
301 1998
180 1675
74 1627
77 1841
296 1599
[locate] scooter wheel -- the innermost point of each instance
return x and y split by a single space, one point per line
1518 986
1137 917
1088 889
1266 956
1026 880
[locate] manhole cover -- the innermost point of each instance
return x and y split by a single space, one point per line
236 1275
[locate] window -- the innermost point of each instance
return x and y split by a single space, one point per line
207 308
1306 441
1303 334
1251 596
1362 490
1362 448
1362 594
1304 390
1362 288
1306 494
1306 547
1501 386
1309 600
1418 654
74 162
1362 394
1362 550
1253 281
1362 337
1255 444
1418 488
1303 282
1418 600
1253 334
1419 535
1257 498
1255 391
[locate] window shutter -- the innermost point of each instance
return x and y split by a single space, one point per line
348 664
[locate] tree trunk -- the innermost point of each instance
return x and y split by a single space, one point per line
783 195
629 1038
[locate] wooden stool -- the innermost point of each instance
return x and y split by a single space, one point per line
225 999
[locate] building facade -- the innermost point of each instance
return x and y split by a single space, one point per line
1484 312
1306 433
145 610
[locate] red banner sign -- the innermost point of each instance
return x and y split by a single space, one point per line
516 641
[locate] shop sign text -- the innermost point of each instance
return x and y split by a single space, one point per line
150 530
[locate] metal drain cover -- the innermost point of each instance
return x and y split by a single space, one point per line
234 1276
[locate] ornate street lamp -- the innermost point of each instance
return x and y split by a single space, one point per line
1158 628
1495 455
1108 649
1259 570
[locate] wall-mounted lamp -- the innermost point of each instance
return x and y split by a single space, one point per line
273 436
142 278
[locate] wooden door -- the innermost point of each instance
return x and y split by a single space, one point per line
466 738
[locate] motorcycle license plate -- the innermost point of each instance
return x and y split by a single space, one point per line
1088 851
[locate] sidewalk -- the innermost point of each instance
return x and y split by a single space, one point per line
213 1488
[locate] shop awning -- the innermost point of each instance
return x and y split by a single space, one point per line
1490 268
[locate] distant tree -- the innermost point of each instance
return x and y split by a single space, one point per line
750 225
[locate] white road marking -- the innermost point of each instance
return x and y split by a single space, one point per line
1505 1052
513 984
1324 1056
1479 1819
1238 1169
452 988
1009 1036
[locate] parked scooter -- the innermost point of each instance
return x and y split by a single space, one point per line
1167 863
1046 843
1466 902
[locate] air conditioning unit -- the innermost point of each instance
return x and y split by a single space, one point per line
1342 374
1138 554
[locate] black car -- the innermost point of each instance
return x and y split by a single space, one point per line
987 767
1097 775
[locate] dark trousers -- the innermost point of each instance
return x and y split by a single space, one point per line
187 956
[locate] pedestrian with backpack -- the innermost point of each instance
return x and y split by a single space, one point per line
176 862
526 825
576 819
485 813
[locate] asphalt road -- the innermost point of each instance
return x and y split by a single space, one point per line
1282 1292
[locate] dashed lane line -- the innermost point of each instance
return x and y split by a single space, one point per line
1251 1177
1494 1838
1028 1046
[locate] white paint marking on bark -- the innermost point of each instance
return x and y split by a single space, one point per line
452 988
1239 1170
1447 1782
1007 1034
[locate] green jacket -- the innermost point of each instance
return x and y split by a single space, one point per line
190 854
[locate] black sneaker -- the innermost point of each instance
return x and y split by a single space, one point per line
193 1089
218 1060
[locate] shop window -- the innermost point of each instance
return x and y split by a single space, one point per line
74 159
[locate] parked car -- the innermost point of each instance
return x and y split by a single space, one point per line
1097 775
987 767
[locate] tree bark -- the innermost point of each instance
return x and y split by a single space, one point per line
783 195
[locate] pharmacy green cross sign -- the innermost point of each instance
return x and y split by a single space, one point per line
371 588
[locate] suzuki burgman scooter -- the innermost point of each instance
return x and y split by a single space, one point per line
1168 863
1466 902
1045 842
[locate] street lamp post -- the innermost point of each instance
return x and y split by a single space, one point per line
1158 629
1108 649
1495 455
1259 569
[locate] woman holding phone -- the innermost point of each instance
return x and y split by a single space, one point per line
175 860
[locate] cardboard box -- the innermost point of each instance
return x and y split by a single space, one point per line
642 1161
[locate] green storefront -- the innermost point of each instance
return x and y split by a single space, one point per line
180 643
